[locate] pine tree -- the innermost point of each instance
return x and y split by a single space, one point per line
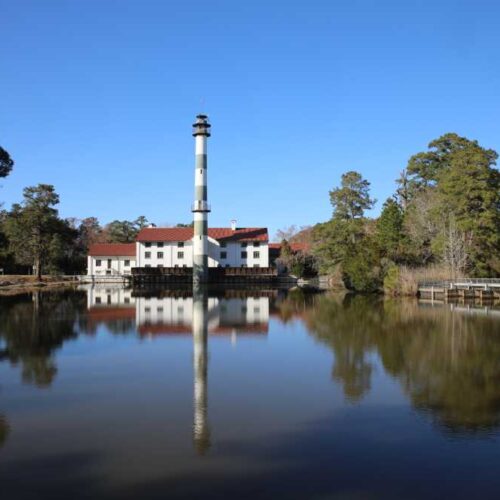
32 225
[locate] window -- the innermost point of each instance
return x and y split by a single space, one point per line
127 263
126 300
243 245
159 265
243 255
180 244
256 265
256 244
147 309
98 300
180 255
98 263
147 244
147 265
159 255
147 255
184 265
223 244
227 265
159 244
223 255
159 309
256 255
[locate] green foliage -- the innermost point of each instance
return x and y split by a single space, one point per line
125 231
141 222
469 189
391 280
32 225
300 264
352 199
389 229
344 240
6 163
303 265
122 231
332 241
426 168
446 212
361 267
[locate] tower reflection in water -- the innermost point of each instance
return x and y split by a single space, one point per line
201 429
154 313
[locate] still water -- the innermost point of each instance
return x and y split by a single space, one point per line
114 393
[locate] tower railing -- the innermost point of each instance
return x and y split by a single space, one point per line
200 206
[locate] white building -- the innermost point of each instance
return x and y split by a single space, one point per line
111 259
173 247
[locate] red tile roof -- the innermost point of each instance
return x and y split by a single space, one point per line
112 249
182 329
217 233
104 313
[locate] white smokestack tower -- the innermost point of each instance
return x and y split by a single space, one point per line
200 209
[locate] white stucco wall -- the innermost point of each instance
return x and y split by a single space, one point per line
170 251
234 254
170 257
117 265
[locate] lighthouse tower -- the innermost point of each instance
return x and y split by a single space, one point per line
200 209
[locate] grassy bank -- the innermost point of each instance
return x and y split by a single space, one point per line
403 281
17 282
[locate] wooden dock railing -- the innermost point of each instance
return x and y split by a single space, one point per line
461 288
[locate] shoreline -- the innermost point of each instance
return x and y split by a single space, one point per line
12 284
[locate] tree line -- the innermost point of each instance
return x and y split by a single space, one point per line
445 212
34 238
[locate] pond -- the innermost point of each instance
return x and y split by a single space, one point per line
108 392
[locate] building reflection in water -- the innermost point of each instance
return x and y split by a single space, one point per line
183 312
155 313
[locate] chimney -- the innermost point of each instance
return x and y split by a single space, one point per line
233 225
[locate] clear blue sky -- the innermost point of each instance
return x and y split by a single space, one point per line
98 98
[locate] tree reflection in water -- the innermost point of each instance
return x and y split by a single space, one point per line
447 362
4 430
33 326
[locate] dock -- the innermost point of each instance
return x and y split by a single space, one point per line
481 289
